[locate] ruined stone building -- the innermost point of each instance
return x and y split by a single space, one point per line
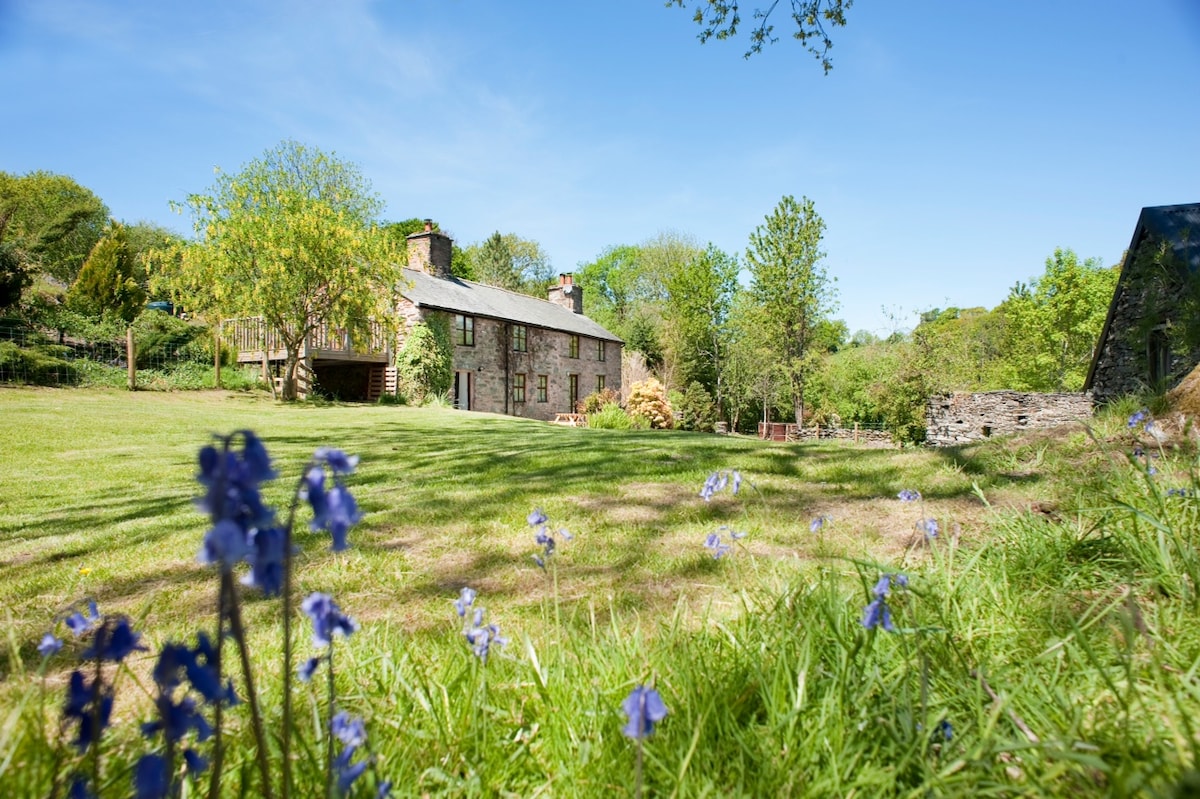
1150 334
513 354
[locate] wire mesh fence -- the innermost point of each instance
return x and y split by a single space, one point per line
173 358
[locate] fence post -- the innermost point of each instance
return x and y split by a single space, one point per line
856 432
129 358
217 356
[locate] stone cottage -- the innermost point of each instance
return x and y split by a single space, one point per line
1144 342
513 354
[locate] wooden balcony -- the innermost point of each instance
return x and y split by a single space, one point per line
256 342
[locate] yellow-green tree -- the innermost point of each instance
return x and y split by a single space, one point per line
108 283
294 238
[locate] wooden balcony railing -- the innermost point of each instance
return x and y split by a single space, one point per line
254 340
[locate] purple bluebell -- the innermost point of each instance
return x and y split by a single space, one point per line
150 778
717 481
643 708
1179 492
327 619
90 706
536 518
466 598
337 461
713 543
308 668
878 614
341 513
818 522
384 790
177 719
79 623
883 586
196 764
929 527
350 730
909 495
1139 417
543 537
225 544
232 481
481 639
946 729
49 645
347 772
267 558
114 641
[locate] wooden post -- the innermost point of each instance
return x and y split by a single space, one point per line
856 432
217 357
129 358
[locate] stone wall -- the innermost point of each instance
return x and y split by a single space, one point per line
960 417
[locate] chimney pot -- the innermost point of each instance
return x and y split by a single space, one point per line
428 225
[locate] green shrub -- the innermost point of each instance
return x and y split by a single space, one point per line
41 365
697 409
611 417
423 363
164 339
595 402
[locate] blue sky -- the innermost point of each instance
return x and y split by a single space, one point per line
952 148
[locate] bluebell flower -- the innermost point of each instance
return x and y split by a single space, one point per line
308 668
883 586
945 729
202 667
114 641
225 544
1179 492
233 479
717 481
327 618
384 790
347 772
909 495
267 558
466 598
79 623
544 537
150 778
195 763
481 639
644 708
878 614
49 645
536 518
177 719
818 523
713 543
1138 417
350 730
929 527
338 462
736 535
88 705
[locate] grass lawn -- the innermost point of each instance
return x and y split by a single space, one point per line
769 676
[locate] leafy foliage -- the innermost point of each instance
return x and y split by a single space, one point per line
697 410
109 281
293 238
424 364
791 287
510 262
51 221
613 417
720 19
595 401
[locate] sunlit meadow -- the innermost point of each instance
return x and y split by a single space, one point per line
528 610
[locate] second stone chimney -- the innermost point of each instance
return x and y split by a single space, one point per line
567 294
429 251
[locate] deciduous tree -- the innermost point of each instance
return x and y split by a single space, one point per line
293 237
791 287
720 19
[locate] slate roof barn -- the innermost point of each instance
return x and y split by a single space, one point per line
1143 344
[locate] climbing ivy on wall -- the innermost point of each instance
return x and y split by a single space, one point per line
423 364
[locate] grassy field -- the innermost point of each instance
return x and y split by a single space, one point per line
1051 623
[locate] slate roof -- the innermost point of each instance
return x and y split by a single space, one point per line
475 299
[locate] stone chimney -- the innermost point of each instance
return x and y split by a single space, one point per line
429 251
567 294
